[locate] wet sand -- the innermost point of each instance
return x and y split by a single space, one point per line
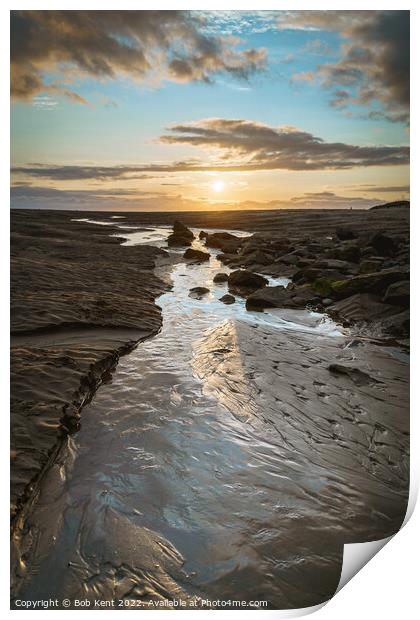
223 458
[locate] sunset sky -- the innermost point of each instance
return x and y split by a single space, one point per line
209 110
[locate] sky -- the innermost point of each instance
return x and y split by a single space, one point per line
193 110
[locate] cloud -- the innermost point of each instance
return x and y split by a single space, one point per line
256 146
140 45
240 146
374 65
385 189
80 173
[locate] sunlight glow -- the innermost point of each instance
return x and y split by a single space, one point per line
218 186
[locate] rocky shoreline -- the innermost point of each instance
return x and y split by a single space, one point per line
80 300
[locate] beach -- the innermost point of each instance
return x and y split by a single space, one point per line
166 444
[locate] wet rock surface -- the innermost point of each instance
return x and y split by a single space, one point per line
72 315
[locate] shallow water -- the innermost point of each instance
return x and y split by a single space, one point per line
166 492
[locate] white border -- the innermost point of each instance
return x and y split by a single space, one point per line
387 586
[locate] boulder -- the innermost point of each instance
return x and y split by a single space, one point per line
311 274
196 255
224 241
377 282
398 293
257 258
244 282
227 299
219 278
182 236
338 265
228 259
203 234
198 292
347 251
289 259
371 264
345 233
281 297
383 244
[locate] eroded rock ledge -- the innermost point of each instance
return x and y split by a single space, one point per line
79 300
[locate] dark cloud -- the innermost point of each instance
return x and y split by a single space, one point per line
80 173
154 45
256 146
375 60
385 189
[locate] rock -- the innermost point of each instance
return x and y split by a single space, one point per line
398 293
345 233
245 282
227 299
182 236
338 265
347 251
376 282
281 297
357 376
219 278
202 234
289 259
370 265
258 257
228 259
196 255
310 274
224 241
383 244
327 302
198 292
360 307
397 325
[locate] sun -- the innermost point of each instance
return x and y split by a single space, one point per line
218 186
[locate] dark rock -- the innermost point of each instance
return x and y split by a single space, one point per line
219 278
228 259
244 282
310 274
360 307
345 233
258 257
347 251
203 234
289 259
181 237
383 244
198 292
370 265
281 297
196 255
398 293
376 282
227 299
397 325
224 241
339 265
